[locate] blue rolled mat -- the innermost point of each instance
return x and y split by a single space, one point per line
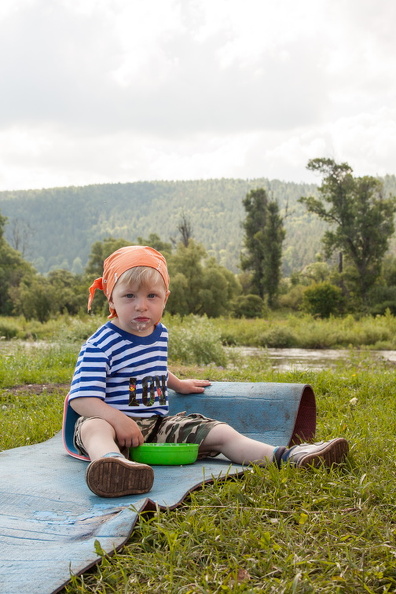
50 520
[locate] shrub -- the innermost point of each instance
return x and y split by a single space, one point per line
382 299
322 299
248 306
279 338
293 298
8 329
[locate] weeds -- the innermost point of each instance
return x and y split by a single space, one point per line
293 330
196 341
305 331
36 363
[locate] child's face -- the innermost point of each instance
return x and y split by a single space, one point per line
139 308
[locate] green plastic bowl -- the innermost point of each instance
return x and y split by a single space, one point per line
171 454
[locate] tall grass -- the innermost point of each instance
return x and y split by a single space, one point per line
36 363
306 331
195 341
277 331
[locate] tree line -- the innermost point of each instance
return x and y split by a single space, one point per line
55 228
354 272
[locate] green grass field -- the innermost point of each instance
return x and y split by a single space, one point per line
287 531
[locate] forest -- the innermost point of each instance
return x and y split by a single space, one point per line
55 228
234 247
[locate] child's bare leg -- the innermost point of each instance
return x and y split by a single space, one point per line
237 447
243 450
98 437
109 474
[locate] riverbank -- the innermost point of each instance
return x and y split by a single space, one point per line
277 331
310 359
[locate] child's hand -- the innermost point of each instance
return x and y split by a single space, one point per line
186 386
128 434
192 386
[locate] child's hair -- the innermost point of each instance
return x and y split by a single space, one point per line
141 276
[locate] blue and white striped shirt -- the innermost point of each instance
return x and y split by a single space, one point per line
128 372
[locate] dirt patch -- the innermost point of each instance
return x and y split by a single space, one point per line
37 389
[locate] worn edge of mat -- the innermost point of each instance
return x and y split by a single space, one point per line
149 506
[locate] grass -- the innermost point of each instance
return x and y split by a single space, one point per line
276 331
280 531
317 531
305 331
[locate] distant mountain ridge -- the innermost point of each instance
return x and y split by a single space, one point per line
59 225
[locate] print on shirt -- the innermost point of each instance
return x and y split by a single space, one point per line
132 392
153 388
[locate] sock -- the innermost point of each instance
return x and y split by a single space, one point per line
113 455
278 454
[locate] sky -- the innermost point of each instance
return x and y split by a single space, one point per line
108 91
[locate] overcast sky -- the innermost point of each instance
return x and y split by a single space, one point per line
96 91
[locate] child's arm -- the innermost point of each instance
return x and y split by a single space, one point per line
186 386
127 432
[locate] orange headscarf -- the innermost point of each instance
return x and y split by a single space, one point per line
123 259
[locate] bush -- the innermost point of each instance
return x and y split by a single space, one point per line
322 299
380 309
279 338
8 330
381 299
248 306
293 298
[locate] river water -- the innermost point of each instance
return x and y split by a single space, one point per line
280 359
312 359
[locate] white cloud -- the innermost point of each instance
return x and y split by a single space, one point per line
114 90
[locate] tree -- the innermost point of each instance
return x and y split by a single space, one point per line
219 288
361 219
185 229
13 268
37 299
156 242
186 271
274 236
199 285
69 294
20 236
264 235
100 250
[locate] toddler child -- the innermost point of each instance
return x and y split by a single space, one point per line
120 388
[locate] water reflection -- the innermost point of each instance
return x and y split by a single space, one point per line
280 359
313 359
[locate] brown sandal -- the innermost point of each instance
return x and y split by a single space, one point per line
117 477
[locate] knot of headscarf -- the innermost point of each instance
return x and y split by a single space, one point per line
97 284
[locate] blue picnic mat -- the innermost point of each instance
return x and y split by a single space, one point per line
50 520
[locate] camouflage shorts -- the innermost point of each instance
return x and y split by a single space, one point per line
179 428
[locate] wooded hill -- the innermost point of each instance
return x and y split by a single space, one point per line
55 228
